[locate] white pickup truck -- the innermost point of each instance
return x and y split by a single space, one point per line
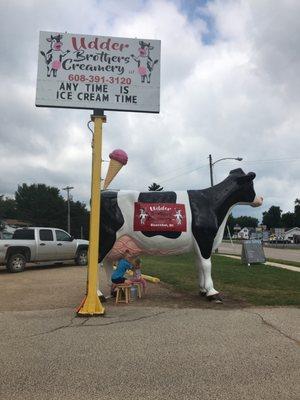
41 244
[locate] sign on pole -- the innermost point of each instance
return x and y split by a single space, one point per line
98 72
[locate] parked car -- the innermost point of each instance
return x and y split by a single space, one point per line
279 240
41 244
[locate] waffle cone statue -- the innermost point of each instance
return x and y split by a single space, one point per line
118 158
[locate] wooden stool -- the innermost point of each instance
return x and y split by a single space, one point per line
125 289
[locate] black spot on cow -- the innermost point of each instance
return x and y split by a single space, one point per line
111 221
210 206
159 197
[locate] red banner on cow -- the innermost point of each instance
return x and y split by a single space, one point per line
151 217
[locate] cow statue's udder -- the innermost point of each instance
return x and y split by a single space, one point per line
127 243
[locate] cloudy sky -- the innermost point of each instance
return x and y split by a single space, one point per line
229 87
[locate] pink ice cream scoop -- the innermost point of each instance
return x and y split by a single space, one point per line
118 158
119 155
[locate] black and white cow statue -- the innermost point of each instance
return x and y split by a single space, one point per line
202 213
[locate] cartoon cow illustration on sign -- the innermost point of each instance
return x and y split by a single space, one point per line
178 217
206 212
54 55
143 216
144 61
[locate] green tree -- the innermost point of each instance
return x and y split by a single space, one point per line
230 223
8 207
155 187
79 216
297 212
242 221
272 217
41 205
245 221
288 220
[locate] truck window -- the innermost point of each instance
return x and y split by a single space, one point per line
46 235
62 236
24 234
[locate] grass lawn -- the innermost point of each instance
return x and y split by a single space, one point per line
258 284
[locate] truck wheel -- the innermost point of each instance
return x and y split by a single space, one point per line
16 263
81 257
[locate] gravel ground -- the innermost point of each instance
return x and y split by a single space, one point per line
47 287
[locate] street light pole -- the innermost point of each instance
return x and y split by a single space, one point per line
68 188
211 171
211 164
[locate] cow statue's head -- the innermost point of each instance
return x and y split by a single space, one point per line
245 193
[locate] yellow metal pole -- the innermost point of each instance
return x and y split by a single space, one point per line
91 305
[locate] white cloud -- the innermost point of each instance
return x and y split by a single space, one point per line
236 96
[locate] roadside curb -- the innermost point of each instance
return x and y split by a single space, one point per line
272 264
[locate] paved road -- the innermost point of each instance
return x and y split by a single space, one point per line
151 353
279 254
137 352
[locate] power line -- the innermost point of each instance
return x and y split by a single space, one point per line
184 169
184 173
187 172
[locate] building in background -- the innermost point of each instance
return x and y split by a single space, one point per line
292 234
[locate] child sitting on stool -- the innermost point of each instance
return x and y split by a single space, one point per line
137 273
117 276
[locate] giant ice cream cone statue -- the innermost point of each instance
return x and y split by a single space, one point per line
118 158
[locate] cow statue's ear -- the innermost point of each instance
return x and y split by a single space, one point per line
246 178
237 171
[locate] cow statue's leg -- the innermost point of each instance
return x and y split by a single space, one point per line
201 277
107 267
205 279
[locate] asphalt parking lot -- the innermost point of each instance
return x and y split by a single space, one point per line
150 349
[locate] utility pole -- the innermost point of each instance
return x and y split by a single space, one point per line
211 171
68 188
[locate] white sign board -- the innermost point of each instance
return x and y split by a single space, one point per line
98 72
